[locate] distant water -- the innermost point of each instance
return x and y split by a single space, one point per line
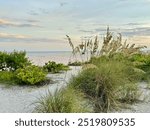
42 57
49 53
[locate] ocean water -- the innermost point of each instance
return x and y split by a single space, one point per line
42 57
49 53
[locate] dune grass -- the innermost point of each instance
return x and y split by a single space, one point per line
109 84
66 100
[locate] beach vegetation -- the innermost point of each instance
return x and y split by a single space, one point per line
76 63
53 67
30 75
107 84
12 61
15 68
66 100
110 78
7 77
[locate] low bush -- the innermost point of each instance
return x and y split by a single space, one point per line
53 67
65 100
7 77
76 63
30 75
12 61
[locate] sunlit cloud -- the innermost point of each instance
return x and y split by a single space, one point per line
7 23
6 37
16 36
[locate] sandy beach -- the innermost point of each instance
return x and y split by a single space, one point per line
21 99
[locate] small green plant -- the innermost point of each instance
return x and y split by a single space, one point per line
30 75
65 100
76 63
53 67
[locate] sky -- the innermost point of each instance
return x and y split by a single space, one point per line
41 25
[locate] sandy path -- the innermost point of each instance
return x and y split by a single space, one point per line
20 99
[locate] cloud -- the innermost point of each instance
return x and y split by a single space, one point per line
39 11
32 12
63 4
100 30
133 24
140 31
16 36
85 31
7 23
32 21
43 11
6 37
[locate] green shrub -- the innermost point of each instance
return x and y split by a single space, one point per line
14 60
3 57
30 75
53 67
17 60
107 84
62 101
7 77
76 63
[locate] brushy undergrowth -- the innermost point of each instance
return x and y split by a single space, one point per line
65 100
53 67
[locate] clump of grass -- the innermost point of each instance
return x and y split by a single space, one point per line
53 67
107 84
130 94
65 100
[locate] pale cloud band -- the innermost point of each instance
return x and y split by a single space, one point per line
6 37
6 23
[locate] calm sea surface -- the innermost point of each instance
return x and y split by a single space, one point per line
49 53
